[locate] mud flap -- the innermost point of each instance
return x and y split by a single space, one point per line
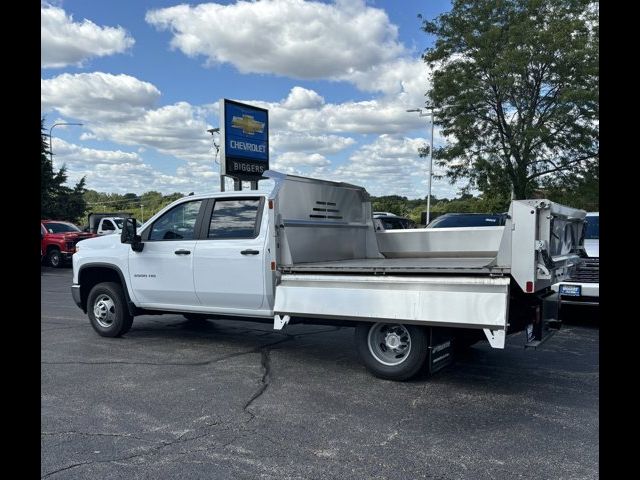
441 352
544 321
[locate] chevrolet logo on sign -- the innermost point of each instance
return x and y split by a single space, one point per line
248 124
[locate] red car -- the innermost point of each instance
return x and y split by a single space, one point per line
58 241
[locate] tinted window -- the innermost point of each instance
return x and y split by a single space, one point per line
593 228
234 218
120 222
392 223
58 227
107 225
449 221
408 223
178 223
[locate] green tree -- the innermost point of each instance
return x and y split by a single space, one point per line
56 199
515 83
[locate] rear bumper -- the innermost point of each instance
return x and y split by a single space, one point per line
586 301
590 293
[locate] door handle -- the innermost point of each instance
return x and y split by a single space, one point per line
182 252
250 252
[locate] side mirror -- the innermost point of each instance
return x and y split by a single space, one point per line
129 235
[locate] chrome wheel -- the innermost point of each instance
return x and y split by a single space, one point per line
54 258
104 310
388 343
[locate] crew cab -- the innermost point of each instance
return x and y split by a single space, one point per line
58 240
307 251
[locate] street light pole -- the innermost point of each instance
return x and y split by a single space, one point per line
421 114
50 138
217 147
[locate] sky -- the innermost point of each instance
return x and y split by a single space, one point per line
145 79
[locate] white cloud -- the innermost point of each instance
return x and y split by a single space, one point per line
297 160
300 98
391 166
97 96
378 116
177 130
119 108
121 172
83 157
305 142
64 42
293 38
305 130
404 81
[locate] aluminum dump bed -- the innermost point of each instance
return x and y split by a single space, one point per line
331 262
327 227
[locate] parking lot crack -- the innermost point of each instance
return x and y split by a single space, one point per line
92 434
266 378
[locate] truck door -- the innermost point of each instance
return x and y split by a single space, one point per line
229 262
162 273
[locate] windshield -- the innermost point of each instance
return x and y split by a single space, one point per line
593 228
58 227
448 221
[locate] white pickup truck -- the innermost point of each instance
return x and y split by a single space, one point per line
583 286
111 225
307 251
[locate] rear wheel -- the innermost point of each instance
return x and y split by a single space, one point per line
392 351
107 310
54 258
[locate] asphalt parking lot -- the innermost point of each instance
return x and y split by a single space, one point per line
238 400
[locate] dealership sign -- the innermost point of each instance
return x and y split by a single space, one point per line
245 140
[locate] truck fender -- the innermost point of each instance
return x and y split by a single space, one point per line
130 305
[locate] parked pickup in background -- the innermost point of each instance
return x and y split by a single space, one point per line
583 286
58 241
107 223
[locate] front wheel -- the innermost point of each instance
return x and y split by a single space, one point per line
392 351
107 310
55 258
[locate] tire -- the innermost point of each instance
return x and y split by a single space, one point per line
400 362
195 317
54 258
107 310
